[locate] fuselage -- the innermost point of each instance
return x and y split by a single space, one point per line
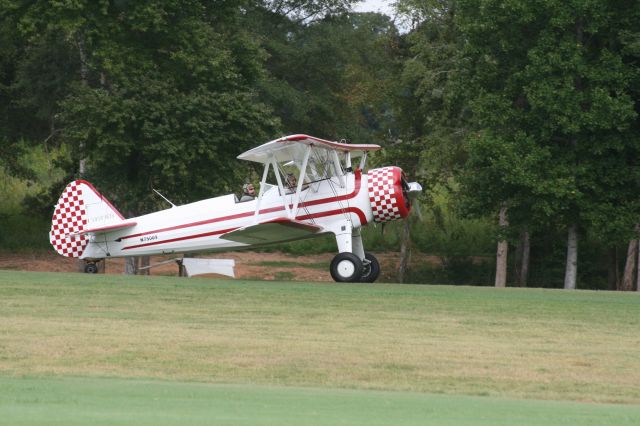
201 226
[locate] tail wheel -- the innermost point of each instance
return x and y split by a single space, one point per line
370 269
91 268
346 267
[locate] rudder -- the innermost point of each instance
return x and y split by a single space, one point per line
79 207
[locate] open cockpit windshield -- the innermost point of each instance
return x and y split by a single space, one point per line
298 163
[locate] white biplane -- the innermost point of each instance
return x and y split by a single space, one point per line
330 195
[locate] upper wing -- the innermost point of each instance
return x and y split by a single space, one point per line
280 229
293 148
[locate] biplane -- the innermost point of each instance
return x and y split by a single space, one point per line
330 193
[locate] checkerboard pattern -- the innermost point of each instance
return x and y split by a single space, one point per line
69 217
382 194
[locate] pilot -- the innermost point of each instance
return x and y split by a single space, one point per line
292 182
248 192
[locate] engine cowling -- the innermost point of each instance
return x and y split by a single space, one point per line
388 194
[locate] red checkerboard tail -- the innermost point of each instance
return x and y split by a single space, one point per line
80 207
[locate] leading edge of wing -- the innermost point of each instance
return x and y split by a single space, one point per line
280 229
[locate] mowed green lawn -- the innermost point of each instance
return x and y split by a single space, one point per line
78 349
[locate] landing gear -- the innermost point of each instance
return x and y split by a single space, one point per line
352 264
370 269
91 268
346 267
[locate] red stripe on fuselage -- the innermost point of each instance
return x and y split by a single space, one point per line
188 225
354 210
188 237
356 190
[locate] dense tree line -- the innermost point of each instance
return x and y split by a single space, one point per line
523 111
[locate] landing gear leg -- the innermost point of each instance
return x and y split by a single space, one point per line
352 264
346 266
370 265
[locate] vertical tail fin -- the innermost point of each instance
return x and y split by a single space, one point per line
79 207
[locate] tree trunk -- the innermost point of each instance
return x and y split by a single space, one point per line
501 253
130 265
613 276
525 249
84 79
405 252
82 163
144 262
630 266
517 261
571 270
638 269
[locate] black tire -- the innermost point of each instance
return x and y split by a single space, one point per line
91 268
370 269
346 268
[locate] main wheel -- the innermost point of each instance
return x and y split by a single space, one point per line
346 267
91 268
370 269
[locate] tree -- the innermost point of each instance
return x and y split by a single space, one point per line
35 74
308 11
148 94
551 96
330 77
164 96
428 113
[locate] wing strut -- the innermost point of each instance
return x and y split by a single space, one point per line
338 167
283 194
303 172
363 161
263 183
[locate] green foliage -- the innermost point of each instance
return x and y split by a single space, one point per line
26 207
332 78
454 270
307 10
12 192
552 93
430 114
24 233
150 94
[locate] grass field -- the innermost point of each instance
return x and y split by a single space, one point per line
82 401
280 353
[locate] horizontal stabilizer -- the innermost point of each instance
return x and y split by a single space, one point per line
108 228
273 230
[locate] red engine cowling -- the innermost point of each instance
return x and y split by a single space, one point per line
388 190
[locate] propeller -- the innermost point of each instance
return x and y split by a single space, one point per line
410 192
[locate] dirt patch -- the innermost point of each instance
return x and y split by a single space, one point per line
249 265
